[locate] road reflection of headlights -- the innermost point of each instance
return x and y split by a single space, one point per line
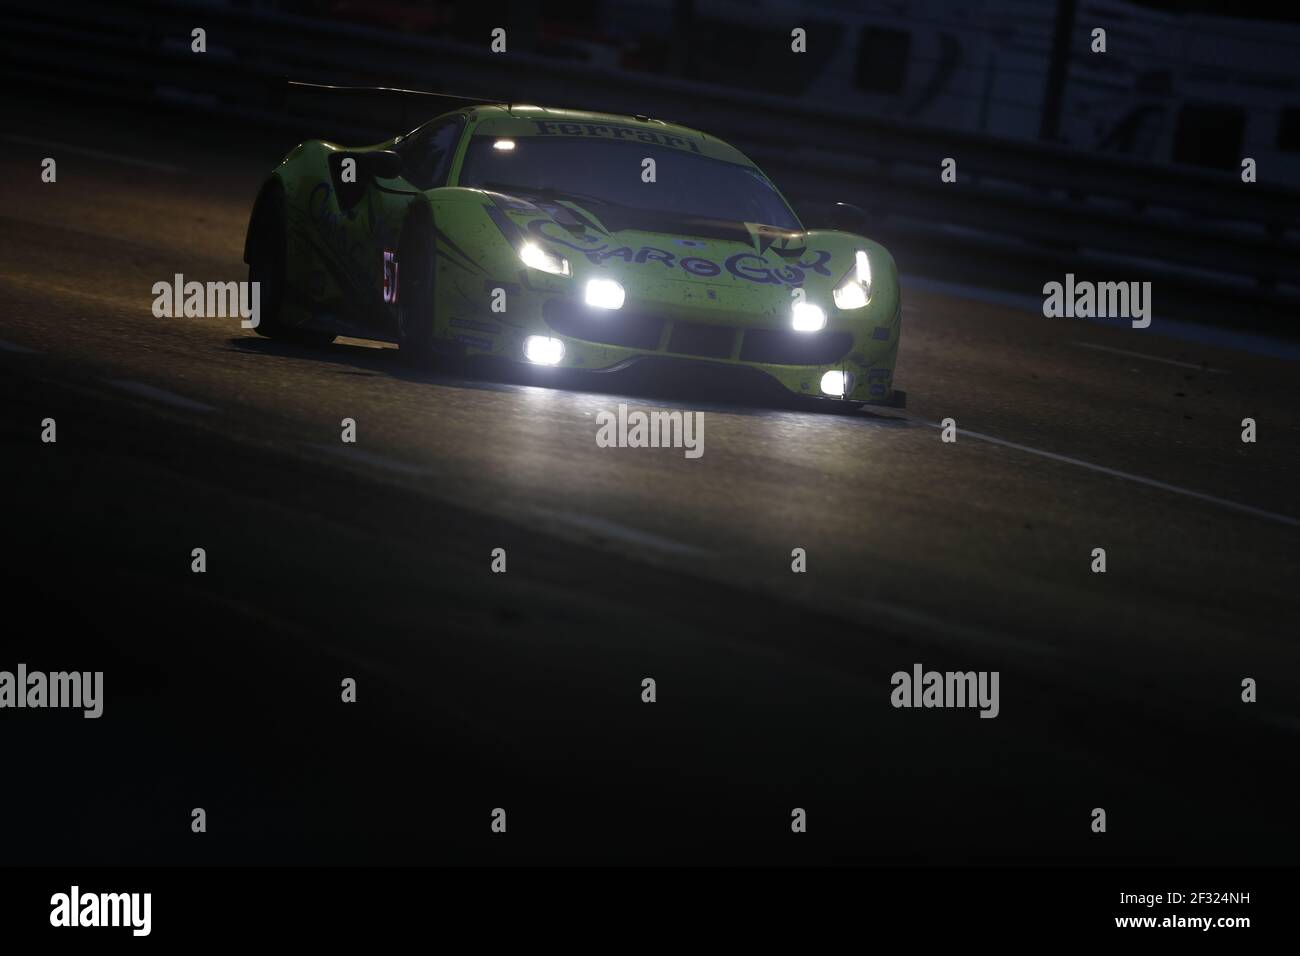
855 291
808 317
535 257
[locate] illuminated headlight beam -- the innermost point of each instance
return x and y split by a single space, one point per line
807 317
604 294
863 267
543 350
535 257
837 384
855 291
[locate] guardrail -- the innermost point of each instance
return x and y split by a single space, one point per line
1019 215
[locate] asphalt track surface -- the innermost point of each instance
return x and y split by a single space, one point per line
523 690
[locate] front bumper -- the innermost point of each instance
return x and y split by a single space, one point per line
607 340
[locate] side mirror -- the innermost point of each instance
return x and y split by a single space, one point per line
841 216
382 164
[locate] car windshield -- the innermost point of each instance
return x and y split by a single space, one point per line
610 171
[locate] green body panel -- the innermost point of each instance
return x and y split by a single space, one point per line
743 282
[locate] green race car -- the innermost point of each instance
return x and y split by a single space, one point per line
571 239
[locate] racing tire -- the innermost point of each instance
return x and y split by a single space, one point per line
268 251
415 299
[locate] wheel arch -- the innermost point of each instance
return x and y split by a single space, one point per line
270 191
419 214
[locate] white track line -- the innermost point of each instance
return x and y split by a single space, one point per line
1102 469
1151 358
158 395
364 457
611 529
94 154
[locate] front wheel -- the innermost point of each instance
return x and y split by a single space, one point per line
267 266
415 296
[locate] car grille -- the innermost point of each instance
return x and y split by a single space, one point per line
641 330
706 341
629 329
787 347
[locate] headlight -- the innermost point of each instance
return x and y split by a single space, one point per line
535 257
837 384
605 294
541 350
851 295
808 317
855 291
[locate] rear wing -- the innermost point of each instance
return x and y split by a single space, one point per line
346 112
326 111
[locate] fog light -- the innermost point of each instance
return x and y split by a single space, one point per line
541 350
605 294
837 384
808 317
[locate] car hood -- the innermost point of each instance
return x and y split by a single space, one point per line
643 248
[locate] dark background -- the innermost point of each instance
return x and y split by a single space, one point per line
522 690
